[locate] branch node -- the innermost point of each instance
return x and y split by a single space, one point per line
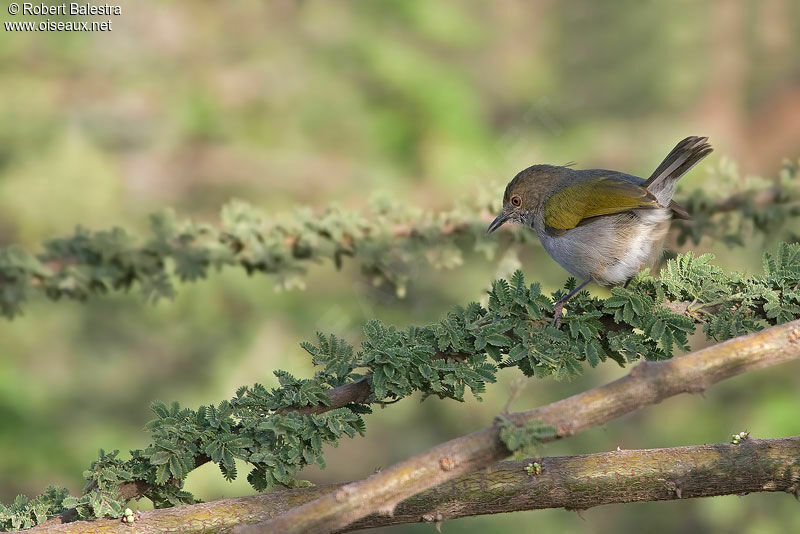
343 493
794 335
446 463
564 430
641 369
534 468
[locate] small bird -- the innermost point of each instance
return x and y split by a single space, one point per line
600 225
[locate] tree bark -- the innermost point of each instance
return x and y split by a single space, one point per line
571 482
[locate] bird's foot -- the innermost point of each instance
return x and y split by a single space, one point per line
557 312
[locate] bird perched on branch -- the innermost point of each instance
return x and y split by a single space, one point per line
602 226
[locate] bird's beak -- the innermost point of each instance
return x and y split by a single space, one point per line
498 222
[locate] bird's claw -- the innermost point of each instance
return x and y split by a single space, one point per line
557 312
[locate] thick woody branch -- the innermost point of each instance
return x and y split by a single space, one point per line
647 383
581 482
571 482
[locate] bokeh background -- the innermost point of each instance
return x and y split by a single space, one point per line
282 103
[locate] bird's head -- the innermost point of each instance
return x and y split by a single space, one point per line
526 192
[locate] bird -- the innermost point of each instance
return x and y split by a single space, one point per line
600 225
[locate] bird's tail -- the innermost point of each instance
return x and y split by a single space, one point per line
683 157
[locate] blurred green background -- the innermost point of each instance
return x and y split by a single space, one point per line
283 103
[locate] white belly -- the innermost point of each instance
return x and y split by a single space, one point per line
610 249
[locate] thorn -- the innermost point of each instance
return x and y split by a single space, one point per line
673 487
435 519
384 404
514 391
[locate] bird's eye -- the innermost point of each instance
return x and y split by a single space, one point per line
516 200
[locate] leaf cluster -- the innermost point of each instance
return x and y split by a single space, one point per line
26 513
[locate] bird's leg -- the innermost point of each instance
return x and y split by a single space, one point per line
559 307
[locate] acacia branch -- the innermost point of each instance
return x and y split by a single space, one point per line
88 263
361 392
648 383
353 392
571 482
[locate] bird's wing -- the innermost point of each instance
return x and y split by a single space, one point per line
603 195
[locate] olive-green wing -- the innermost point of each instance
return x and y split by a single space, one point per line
603 195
